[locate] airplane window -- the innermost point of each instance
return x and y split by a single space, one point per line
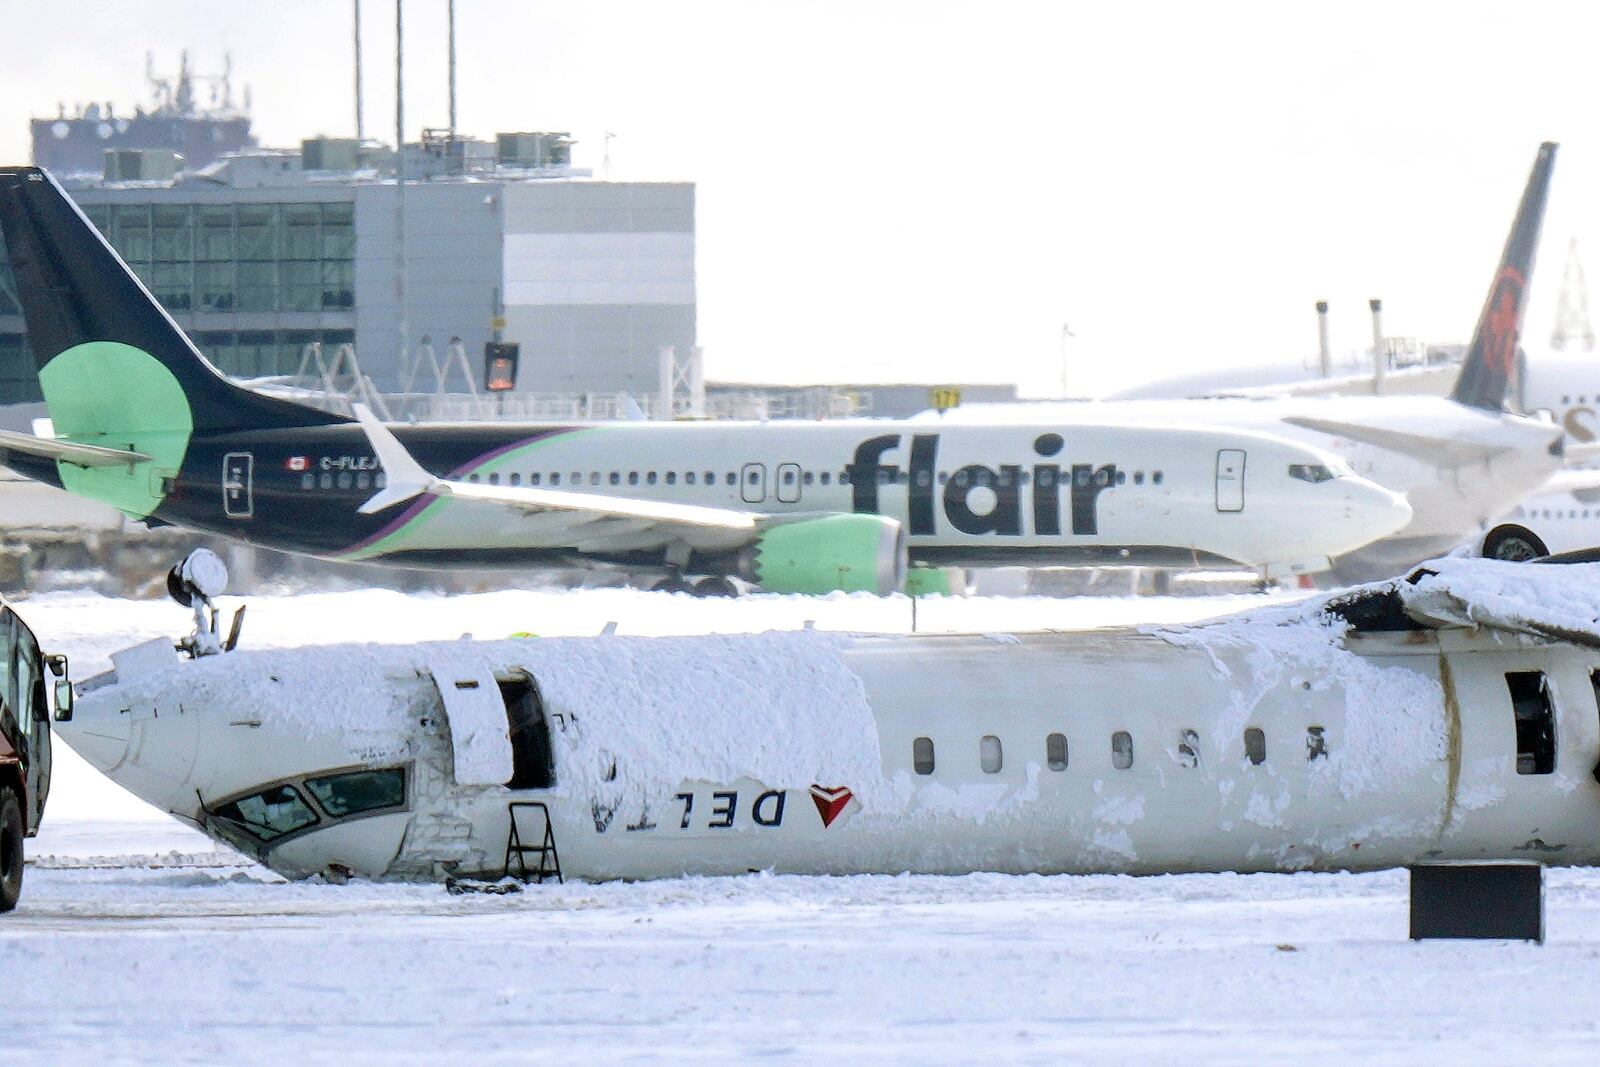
555 477
494 479
472 477
788 477
380 480
358 791
752 477
688 477
1189 748
1255 745
1155 479
1047 477
1081 476
577 477
325 480
269 814
989 755
515 478
633 477
344 479
944 477
363 480
1122 750
1023 478
885 477
1310 472
1536 722
1003 479
1138 477
844 477
533 479
308 481
1055 751
1122 477
616 478
594 477
1316 743
732 478
806 479
922 755
983 476
650 479
826 477
960 479
1102 477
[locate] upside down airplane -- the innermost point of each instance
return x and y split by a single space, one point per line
141 421
1460 460
1446 717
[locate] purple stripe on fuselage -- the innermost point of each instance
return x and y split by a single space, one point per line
417 506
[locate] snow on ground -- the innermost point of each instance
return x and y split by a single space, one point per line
140 941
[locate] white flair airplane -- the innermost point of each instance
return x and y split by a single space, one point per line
1460 460
141 421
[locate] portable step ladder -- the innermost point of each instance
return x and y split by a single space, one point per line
549 862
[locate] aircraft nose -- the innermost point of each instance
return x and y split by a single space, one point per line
1379 512
99 731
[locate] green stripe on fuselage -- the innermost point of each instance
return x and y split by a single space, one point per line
111 394
404 537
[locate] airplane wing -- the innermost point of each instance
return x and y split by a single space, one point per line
78 455
1452 452
1571 481
608 522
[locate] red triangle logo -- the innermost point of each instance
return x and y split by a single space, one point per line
830 802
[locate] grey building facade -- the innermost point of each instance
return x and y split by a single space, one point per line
255 258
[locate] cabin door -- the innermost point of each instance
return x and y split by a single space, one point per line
238 474
1230 479
788 483
753 483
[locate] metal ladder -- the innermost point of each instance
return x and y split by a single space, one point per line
549 860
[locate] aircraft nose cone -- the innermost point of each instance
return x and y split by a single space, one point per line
99 732
1379 511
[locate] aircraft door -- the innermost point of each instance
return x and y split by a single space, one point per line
238 474
788 487
753 483
1230 479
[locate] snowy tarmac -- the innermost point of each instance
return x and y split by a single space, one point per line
138 940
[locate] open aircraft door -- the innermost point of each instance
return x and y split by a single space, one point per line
1230 479
480 740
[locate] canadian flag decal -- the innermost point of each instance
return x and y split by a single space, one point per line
297 463
830 802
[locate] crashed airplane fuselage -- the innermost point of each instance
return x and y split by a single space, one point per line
1449 717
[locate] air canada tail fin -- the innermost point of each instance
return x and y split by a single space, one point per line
1487 372
111 360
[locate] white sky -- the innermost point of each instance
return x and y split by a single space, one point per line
928 190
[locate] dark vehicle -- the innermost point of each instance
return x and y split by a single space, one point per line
24 743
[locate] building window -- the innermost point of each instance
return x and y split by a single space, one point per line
1255 746
922 755
989 755
1122 750
1055 751
1536 721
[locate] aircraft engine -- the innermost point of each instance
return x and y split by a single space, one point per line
845 553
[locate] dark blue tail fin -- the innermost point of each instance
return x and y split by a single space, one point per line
1491 360
123 351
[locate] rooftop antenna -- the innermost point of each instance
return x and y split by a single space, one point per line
451 10
1572 307
605 164
361 126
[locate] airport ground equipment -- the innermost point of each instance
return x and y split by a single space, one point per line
1448 717
25 758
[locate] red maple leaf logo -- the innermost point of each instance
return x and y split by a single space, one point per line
830 802
1500 322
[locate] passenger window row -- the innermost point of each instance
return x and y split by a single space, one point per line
343 480
991 753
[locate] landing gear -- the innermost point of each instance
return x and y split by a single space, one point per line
715 585
1516 544
673 583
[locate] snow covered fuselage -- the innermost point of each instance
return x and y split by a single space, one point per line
1328 737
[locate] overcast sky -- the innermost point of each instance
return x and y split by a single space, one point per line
929 191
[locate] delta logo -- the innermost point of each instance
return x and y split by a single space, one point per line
831 802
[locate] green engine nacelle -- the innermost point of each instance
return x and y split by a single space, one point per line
844 553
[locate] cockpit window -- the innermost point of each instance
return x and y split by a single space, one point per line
1311 472
268 814
358 791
